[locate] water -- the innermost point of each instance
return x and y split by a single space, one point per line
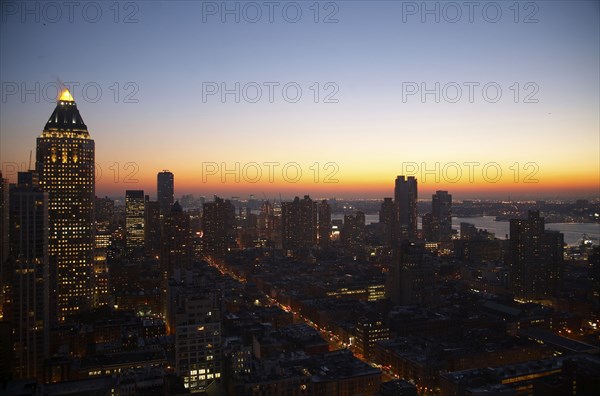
573 231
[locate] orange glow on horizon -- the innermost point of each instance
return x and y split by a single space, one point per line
357 188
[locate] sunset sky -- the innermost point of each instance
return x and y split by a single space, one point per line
375 52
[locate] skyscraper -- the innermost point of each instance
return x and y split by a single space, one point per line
353 233
165 195
65 164
387 219
177 248
411 276
152 228
536 257
441 216
3 239
218 225
266 221
299 224
324 224
134 220
198 341
405 197
28 274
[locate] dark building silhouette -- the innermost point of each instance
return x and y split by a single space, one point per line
324 224
387 219
65 164
177 247
152 227
266 221
536 257
353 232
594 259
411 276
218 225
405 198
3 238
165 191
299 224
441 216
105 210
28 275
177 252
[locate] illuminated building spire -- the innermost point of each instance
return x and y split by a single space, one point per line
66 117
66 96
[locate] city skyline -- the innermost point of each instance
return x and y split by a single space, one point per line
147 119
302 197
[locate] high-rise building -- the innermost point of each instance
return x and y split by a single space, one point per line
594 273
198 341
165 194
4 225
441 216
28 306
405 198
324 224
386 218
101 289
411 276
152 227
536 257
266 221
105 210
370 330
353 233
177 247
65 164
299 224
134 220
218 225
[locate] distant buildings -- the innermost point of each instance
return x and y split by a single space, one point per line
65 165
165 191
536 257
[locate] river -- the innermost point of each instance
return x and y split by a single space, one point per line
573 231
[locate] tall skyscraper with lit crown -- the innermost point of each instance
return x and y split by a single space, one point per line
65 164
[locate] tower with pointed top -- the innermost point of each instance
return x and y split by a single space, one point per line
65 164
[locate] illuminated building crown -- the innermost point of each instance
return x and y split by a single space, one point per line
66 117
